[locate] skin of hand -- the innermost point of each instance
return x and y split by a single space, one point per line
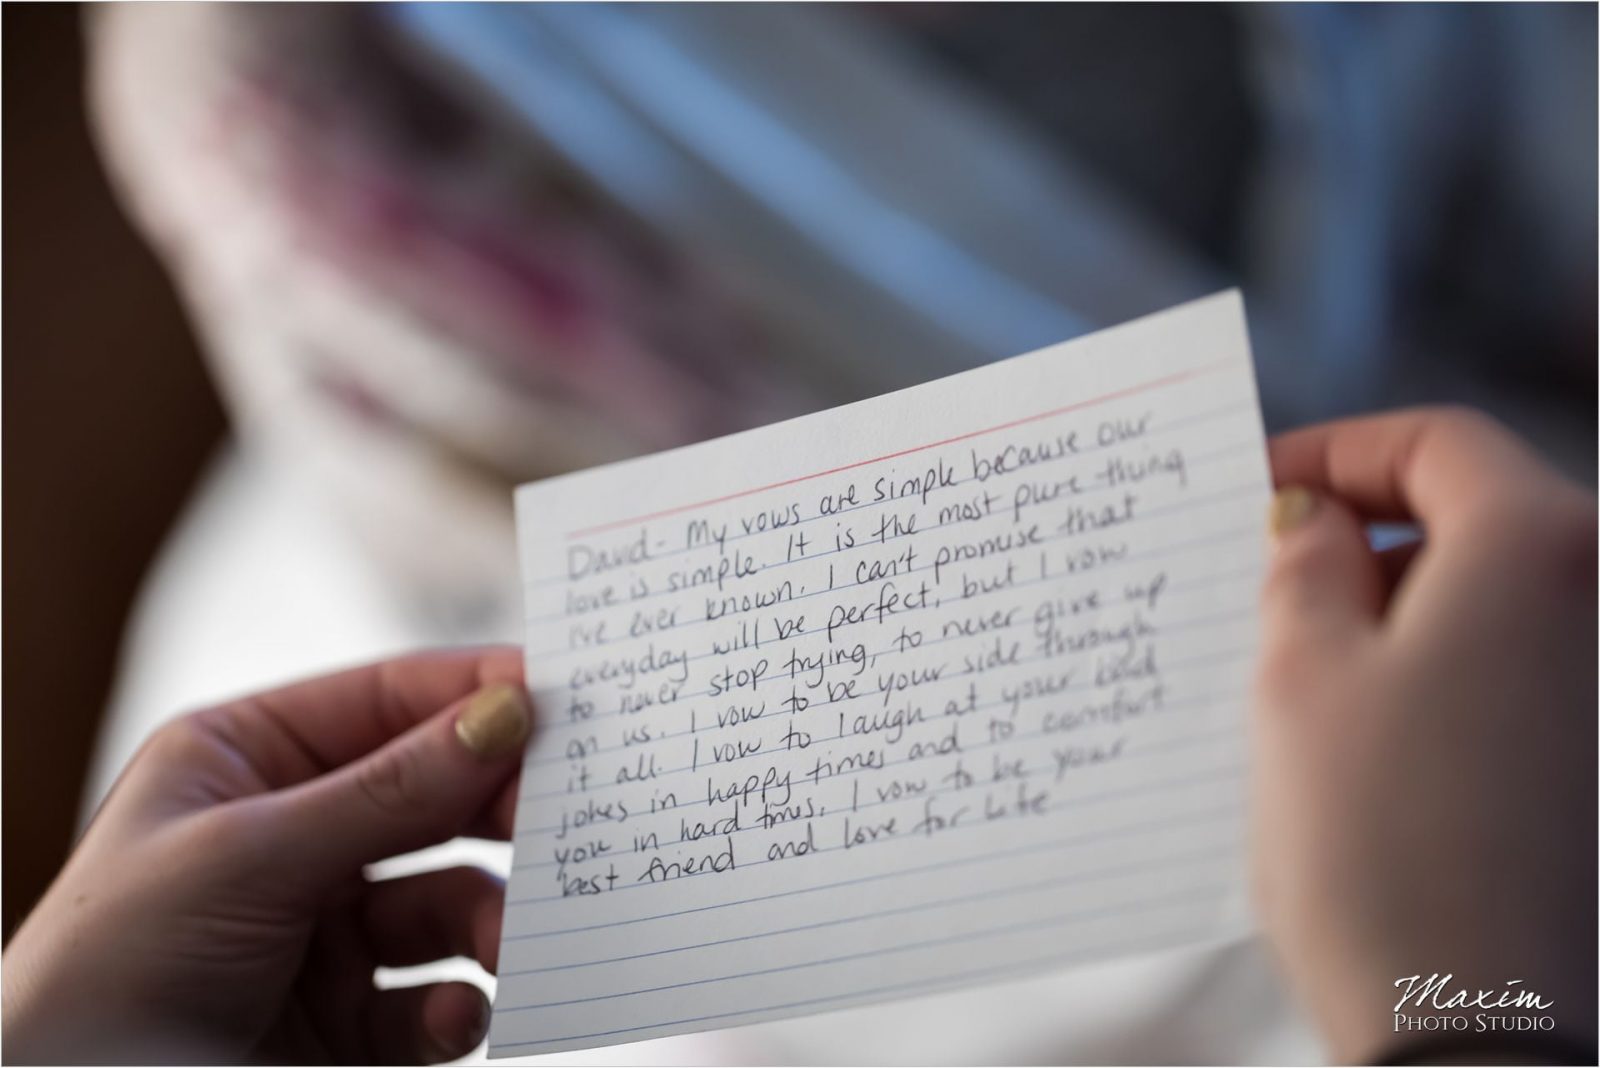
1425 727
216 908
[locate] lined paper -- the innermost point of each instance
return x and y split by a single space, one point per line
935 689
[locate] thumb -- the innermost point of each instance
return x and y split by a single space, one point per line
1323 583
421 788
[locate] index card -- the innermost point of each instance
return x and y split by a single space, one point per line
935 689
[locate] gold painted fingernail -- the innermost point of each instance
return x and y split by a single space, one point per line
1291 506
496 721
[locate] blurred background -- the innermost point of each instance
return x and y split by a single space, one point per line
420 253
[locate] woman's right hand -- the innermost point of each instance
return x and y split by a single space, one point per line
1425 795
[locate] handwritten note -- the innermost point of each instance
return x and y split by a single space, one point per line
935 689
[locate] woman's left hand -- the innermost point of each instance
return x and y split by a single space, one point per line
216 909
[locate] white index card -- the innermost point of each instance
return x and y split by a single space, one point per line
936 689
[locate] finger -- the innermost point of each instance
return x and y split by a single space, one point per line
301 731
1440 466
424 787
454 912
1323 582
498 819
427 1024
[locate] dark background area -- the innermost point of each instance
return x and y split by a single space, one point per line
108 418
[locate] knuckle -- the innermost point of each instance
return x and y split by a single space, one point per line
179 741
1463 418
393 783
1459 422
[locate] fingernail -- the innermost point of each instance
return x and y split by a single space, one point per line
1291 506
496 721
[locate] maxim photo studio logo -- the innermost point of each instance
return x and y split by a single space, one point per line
1437 1003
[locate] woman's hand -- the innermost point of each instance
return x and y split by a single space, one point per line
216 909
1425 797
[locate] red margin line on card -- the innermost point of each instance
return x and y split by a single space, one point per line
1154 383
